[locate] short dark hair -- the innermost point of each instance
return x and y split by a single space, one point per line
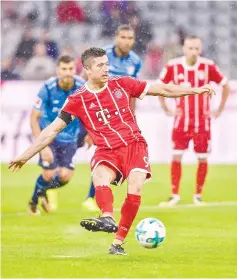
190 37
92 52
123 27
65 59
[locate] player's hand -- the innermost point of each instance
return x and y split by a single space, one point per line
16 164
47 155
216 114
207 89
88 141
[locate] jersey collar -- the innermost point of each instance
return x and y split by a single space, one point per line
95 91
114 53
188 67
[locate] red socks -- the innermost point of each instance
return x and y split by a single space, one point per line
128 213
175 176
201 176
104 199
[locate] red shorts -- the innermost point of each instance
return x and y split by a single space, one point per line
124 160
201 140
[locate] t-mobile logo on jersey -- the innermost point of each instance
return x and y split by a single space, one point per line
103 115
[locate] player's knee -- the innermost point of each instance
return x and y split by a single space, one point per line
65 176
48 175
177 158
103 175
135 182
202 160
202 157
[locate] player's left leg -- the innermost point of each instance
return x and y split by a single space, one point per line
64 154
136 167
129 210
202 148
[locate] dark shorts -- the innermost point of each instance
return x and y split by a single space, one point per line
63 156
81 137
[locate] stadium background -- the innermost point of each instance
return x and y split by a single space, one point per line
201 242
34 33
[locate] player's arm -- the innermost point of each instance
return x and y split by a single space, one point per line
219 78
46 153
45 138
165 108
174 91
40 107
166 76
225 94
34 122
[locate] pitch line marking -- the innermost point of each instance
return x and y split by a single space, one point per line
145 208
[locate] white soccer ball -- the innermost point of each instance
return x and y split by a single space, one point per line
150 232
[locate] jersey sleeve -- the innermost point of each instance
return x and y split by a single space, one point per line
216 75
166 75
70 106
134 87
41 99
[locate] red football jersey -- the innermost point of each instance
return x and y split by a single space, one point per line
106 113
195 109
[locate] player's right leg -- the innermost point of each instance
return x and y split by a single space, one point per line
180 141
41 184
103 175
202 147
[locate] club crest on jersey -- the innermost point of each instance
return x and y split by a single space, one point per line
201 74
181 76
118 94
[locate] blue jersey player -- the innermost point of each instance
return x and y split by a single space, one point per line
123 61
56 159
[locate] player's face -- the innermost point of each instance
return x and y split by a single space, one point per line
125 40
65 72
192 49
98 71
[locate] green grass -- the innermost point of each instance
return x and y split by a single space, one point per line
200 242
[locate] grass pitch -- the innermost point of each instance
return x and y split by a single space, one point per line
200 241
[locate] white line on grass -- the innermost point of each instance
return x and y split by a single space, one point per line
142 208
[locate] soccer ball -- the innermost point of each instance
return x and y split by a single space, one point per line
150 232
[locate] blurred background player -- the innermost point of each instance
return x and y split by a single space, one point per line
123 61
56 159
192 115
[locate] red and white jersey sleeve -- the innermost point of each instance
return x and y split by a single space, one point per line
135 88
216 75
167 74
70 106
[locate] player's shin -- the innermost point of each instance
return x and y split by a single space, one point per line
176 171
104 199
40 185
128 213
201 176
